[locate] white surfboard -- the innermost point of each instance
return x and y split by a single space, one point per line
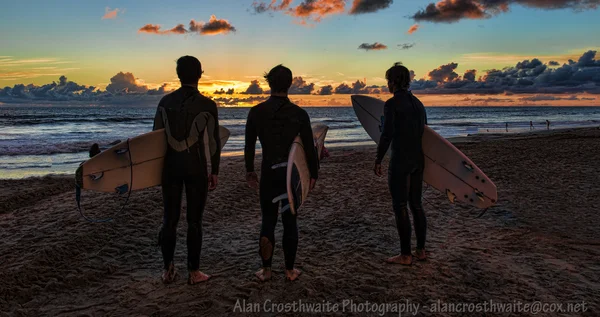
131 165
298 174
447 169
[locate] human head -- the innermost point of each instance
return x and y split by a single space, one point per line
189 70
279 79
398 77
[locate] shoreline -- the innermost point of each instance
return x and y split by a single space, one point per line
471 138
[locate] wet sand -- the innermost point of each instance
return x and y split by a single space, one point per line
541 242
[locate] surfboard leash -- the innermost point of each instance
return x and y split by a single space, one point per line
78 194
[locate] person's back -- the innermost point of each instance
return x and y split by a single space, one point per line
181 110
403 127
409 119
186 116
277 122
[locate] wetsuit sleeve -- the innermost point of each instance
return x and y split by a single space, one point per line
388 132
158 119
250 146
215 159
306 134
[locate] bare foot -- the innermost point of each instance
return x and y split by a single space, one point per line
400 259
169 274
197 277
292 275
264 274
420 254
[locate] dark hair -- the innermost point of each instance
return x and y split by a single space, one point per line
279 78
399 76
189 69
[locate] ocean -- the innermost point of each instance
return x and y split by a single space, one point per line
41 140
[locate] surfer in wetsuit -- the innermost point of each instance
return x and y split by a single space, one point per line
403 126
186 115
276 122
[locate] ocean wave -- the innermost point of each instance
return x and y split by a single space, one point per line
36 121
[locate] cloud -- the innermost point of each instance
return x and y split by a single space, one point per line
325 90
406 46
369 6
359 87
306 11
111 14
229 91
444 73
125 83
371 47
316 10
450 11
470 75
301 87
414 28
233 101
213 27
526 77
547 98
553 63
156 29
254 89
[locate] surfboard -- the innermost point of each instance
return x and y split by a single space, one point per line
133 164
298 175
447 169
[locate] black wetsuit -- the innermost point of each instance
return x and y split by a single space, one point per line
188 167
276 122
403 127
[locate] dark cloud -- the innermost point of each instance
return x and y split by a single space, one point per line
325 90
262 7
156 29
125 83
229 91
232 101
449 11
529 76
372 47
301 87
547 98
213 27
444 73
470 75
369 6
553 63
123 89
406 46
254 88
359 88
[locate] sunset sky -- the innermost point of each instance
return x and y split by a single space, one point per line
326 42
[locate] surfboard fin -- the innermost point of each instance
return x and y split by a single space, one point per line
451 196
468 166
122 189
96 177
480 195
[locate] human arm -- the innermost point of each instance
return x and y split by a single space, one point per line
250 149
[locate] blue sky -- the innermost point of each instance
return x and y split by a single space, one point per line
90 50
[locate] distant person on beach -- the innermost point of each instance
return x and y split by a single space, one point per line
276 122
186 115
530 125
404 123
548 124
507 127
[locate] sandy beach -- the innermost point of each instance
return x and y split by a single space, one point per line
541 242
